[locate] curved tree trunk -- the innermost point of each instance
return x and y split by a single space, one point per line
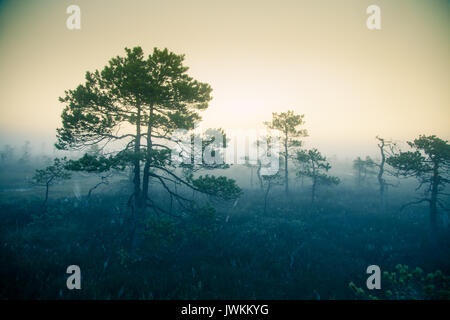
381 181
95 187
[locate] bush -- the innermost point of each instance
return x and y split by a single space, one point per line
407 284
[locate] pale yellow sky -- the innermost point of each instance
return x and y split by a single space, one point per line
316 57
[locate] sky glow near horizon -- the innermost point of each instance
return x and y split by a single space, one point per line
314 57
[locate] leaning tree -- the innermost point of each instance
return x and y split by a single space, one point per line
51 175
429 163
133 105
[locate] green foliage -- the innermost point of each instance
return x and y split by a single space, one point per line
220 187
127 91
138 102
287 123
95 163
52 174
203 222
315 166
408 284
161 231
429 163
429 152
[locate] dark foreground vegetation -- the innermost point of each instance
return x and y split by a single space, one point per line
294 251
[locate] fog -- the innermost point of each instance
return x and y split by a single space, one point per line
344 166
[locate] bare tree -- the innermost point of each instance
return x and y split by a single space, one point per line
387 148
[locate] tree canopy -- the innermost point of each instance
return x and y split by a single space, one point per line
134 105
287 124
315 166
429 163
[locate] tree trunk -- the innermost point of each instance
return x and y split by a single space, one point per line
44 205
433 200
258 173
381 181
286 171
95 187
382 198
137 206
142 199
137 163
266 197
313 189
148 160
